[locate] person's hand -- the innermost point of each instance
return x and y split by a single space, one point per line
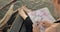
46 23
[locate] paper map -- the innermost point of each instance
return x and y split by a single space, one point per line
41 14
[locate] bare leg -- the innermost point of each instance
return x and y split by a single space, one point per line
22 13
27 20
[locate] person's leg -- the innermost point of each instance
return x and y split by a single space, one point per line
22 13
27 20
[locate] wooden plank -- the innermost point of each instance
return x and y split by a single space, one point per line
7 16
5 8
3 3
16 24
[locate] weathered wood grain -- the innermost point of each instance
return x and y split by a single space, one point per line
4 3
6 17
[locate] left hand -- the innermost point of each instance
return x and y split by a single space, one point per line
46 23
